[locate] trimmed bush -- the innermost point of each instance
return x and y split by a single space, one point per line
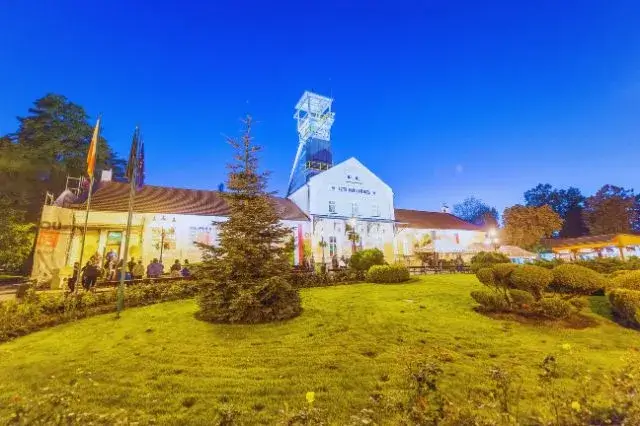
502 273
486 259
486 277
388 274
548 264
363 260
490 301
521 298
629 280
626 306
533 279
554 308
619 272
579 303
577 280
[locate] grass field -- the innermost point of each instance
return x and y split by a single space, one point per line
350 343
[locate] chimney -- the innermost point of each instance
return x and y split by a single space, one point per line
106 175
445 208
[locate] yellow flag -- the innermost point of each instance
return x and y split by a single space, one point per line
91 155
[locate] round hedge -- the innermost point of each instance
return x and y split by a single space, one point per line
625 304
533 279
388 274
629 280
554 308
485 276
577 280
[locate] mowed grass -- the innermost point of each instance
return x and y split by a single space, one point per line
350 342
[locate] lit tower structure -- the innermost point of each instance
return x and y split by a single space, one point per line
314 120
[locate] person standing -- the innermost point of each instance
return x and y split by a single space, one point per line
175 269
131 264
91 276
74 277
138 270
151 268
185 269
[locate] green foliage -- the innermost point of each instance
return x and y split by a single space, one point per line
554 307
16 237
363 260
50 144
313 279
502 273
629 280
568 203
548 264
388 274
490 301
533 279
39 310
486 259
526 226
610 210
608 265
577 280
248 272
486 277
477 212
625 304
521 298
579 303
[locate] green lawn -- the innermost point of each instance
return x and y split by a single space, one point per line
350 343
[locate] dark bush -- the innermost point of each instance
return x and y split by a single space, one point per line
607 265
486 277
533 279
502 273
308 279
579 303
490 301
626 306
521 298
388 274
629 280
554 308
486 259
577 280
363 260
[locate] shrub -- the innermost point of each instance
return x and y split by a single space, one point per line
547 264
388 274
606 265
486 277
363 260
490 301
502 273
579 303
629 280
625 304
521 298
577 280
554 307
486 259
533 279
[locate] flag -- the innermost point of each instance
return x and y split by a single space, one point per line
133 157
91 155
140 170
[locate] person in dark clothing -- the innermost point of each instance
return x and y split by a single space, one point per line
74 277
131 264
91 276
176 269
185 269
459 263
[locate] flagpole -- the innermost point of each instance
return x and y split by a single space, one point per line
123 270
80 276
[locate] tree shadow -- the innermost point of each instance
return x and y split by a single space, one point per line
600 306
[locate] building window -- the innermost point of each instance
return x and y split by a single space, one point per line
375 210
354 209
332 206
333 247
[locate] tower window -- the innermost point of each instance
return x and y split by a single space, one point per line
354 209
332 206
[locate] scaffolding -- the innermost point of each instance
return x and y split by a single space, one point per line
314 119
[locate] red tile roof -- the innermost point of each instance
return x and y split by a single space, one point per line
433 220
114 197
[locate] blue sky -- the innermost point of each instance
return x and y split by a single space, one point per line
441 99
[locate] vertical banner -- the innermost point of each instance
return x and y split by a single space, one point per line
300 246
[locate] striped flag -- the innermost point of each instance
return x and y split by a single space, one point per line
91 155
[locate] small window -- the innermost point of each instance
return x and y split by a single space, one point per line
375 210
354 209
333 247
332 206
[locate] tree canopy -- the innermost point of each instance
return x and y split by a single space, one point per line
611 210
568 203
475 211
50 144
525 226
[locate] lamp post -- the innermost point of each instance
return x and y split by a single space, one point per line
163 233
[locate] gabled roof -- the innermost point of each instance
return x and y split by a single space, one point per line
433 220
350 162
114 197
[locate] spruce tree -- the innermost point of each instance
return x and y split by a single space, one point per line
248 272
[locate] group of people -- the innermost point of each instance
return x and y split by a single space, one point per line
111 270
336 263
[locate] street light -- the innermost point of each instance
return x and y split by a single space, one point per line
163 232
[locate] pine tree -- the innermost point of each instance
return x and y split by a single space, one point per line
249 271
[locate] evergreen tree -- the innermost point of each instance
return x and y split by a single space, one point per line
249 271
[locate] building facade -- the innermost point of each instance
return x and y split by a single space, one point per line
332 211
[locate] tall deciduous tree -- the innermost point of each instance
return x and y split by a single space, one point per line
610 210
526 226
249 270
16 237
51 142
568 203
475 211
